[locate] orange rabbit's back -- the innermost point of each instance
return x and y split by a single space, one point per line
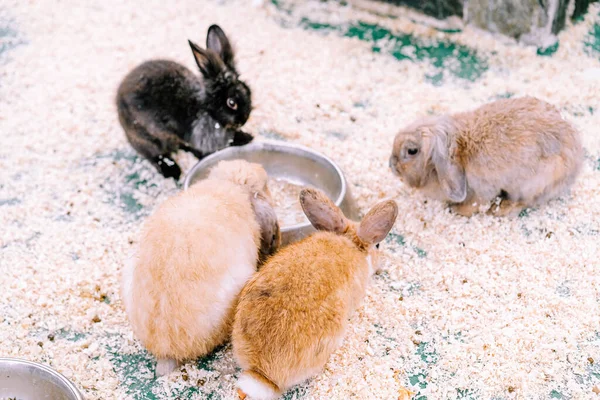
321 279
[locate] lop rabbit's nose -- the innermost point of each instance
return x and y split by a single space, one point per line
393 164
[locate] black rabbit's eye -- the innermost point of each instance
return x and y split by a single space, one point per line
231 103
412 152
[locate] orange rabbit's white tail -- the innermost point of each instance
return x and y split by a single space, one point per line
257 387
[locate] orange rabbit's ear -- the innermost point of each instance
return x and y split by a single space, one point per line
378 222
321 212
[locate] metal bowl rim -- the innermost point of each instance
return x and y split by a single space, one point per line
285 146
51 371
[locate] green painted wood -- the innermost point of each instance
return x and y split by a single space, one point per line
436 8
548 51
9 36
581 8
592 42
136 374
448 59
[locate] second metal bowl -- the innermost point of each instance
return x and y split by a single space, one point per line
297 164
21 379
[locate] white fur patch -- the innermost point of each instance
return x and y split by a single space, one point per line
254 389
164 366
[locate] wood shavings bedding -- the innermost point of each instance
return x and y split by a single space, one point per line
464 308
285 196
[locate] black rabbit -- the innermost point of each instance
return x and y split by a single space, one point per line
164 107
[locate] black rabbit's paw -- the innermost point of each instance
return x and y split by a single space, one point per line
168 168
241 138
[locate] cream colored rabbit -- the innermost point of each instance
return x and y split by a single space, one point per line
519 149
293 313
196 253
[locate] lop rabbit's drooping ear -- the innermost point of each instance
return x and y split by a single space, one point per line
217 41
378 222
451 174
321 212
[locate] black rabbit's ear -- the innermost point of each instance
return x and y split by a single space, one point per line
217 41
208 61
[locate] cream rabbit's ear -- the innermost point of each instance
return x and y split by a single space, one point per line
450 173
270 235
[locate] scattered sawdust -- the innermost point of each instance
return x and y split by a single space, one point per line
498 304
285 196
405 394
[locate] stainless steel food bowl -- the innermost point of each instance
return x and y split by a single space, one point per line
293 163
26 380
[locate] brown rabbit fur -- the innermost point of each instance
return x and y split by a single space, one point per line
293 313
197 251
519 149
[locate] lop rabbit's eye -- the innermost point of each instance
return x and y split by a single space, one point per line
377 246
412 151
231 103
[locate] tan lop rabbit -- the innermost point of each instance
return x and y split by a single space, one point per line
293 313
196 253
519 149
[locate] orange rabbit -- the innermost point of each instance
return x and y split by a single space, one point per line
293 313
